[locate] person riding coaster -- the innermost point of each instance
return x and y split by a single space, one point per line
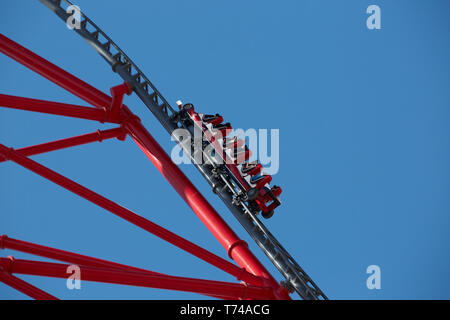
213 118
251 168
236 154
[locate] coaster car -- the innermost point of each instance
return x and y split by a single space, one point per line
241 155
251 168
268 200
235 153
260 180
212 118
233 143
224 128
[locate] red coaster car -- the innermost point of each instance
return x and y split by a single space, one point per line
235 155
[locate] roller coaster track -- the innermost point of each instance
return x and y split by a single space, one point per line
296 278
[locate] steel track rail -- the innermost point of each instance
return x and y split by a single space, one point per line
296 278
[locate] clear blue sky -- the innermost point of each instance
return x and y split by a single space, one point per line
364 121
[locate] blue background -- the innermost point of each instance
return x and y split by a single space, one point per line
364 130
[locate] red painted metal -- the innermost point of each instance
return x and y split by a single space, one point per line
236 248
20 285
56 108
74 258
128 215
24 287
99 135
117 94
65 256
53 73
210 287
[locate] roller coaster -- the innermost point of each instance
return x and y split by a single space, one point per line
237 181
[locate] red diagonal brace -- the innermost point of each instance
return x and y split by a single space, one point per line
56 108
236 248
129 215
53 73
99 135
25 287
7 278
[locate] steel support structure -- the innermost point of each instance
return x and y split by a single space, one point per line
296 279
77 259
207 287
109 109
93 269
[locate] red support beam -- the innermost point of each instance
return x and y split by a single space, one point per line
208 287
23 286
73 258
64 256
236 248
117 94
56 108
53 73
99 135
128 215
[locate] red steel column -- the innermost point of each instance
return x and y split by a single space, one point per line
65 256
237 249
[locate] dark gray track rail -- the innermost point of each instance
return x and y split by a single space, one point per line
296 278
